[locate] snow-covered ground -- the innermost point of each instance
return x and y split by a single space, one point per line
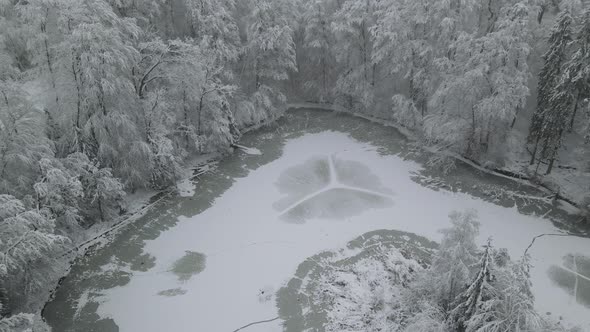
571 174
317 193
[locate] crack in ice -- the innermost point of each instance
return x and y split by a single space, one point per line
333 184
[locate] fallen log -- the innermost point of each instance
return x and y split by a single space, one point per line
247 150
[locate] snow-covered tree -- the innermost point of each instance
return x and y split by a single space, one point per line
58 192
509 303
476 104
450 272
352 28
27 240
214 27
100 55
145 12
102 191
319 43
569 91
412 36
468 303
542 130
22 141
270 54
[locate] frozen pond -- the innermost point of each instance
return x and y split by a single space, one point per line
215 261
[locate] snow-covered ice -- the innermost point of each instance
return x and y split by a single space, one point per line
250 246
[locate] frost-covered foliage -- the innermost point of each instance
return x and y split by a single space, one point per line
367 296
464 289
552 116
269 54
319 40
481 92
351 26
475 290
456 72
100 97
28 249
450 269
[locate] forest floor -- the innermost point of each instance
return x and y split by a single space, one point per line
570 177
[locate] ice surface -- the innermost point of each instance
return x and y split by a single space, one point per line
249 247
327 187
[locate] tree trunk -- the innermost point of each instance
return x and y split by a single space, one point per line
492 18
572 120
551 161
100 210
534 154
78 128
48 58
186 120
199 114
541 13
515 117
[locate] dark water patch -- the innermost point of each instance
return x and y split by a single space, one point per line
173 292
565 277
192 263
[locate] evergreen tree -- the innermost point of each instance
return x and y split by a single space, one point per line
509 305
542 130
450 272
577 70
469 302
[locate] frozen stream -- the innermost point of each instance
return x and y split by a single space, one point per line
214 261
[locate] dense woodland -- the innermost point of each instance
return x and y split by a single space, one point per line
99 98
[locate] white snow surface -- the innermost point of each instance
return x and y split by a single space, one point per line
186 188
249 247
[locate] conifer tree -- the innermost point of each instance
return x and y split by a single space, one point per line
542 131
469 302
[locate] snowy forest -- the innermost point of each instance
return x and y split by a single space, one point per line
100 99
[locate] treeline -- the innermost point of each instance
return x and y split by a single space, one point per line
456 72
102 97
